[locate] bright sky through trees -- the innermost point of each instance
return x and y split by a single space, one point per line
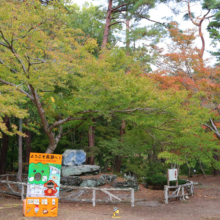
162 11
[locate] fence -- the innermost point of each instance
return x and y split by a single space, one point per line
180 191
69 193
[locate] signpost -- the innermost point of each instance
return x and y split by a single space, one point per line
172 175
43 185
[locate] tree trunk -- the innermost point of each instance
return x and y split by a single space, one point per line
127 34
200 164
106 165
118 162
91 137
215 171
189 172
4 148
54 140
189 168
51 148
118 159
107 25
28 145
19 176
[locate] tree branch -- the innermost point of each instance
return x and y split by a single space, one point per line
60 122
41 112
117 22
141 16
13 70
4 40
114 9
73 129
59 136
4 45
190 15
19 89
209 127
215 128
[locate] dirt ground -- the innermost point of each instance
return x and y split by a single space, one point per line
204 205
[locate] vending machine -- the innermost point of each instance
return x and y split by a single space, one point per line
43 185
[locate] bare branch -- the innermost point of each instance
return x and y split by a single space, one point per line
114 9
117 22
204 17
190 15
141 16
215 128
209 127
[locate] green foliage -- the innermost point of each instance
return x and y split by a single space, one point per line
89 19
214 25
158 181
56 60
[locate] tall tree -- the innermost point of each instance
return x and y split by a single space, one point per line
118 9
19 175
183 68
4 147
214 25
58 72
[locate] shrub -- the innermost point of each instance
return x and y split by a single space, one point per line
158 181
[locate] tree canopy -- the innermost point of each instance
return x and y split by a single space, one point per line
57 72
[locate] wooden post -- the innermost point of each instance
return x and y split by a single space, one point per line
22 192
183 193
132 197
191 187
93 199
177 177
168 181
166 194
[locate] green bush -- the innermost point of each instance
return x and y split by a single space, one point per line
158 181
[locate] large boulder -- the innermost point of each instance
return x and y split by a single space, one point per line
130 176
108 178
94 182
78 170
127 184
71 181
73 157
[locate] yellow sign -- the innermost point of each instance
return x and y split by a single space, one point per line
43 185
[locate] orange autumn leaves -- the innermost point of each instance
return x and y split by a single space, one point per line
183 68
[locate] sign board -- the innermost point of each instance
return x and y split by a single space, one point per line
43 185
172 174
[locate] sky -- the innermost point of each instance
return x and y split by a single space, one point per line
163 10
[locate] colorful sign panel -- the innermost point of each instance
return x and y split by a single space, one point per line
43 185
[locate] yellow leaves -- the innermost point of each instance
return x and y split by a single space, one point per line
53 100
91 45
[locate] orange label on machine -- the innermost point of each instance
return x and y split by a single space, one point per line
41 207
43 185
